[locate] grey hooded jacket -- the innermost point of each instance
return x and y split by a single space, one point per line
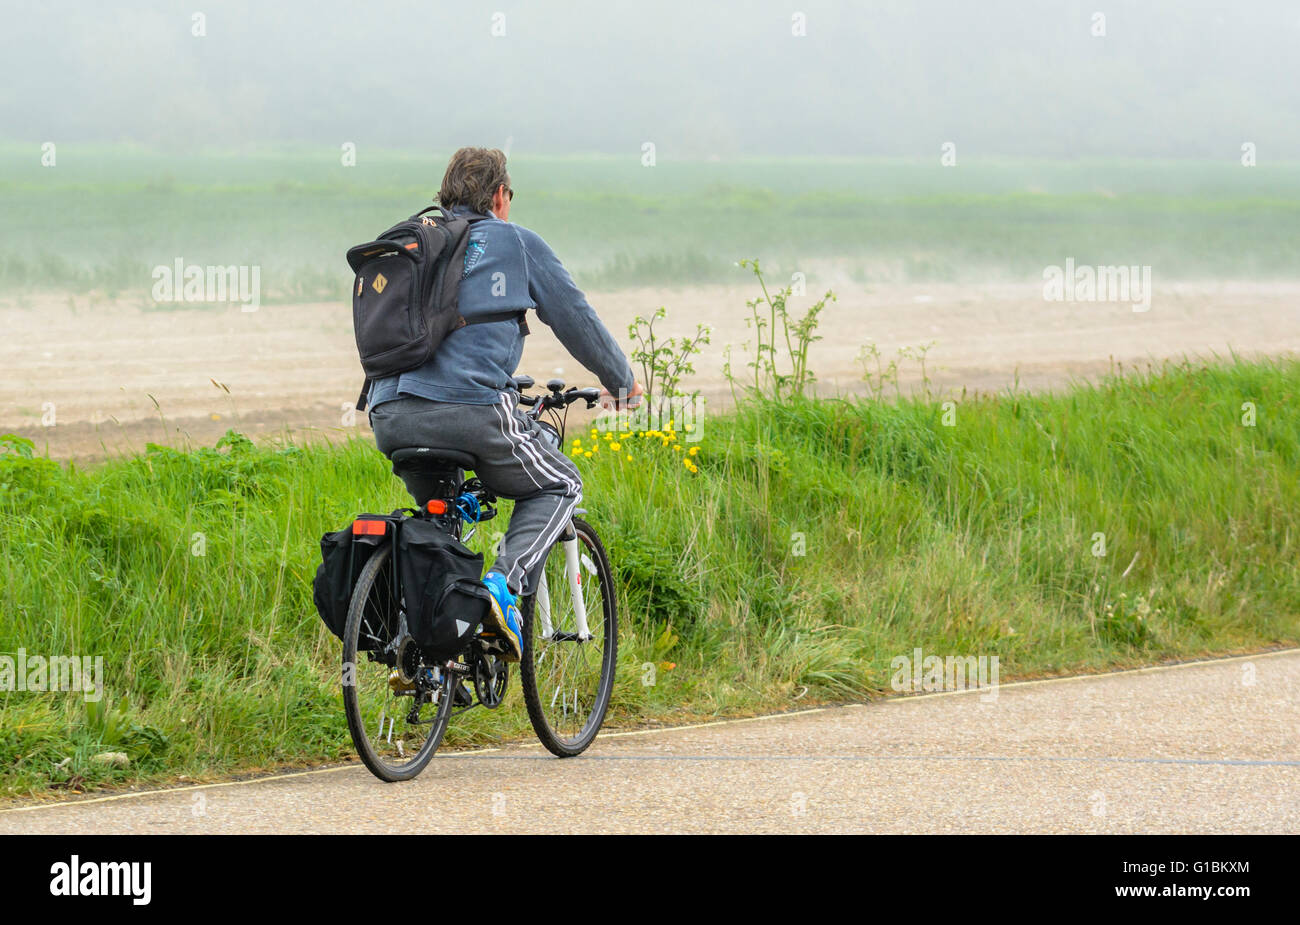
508 268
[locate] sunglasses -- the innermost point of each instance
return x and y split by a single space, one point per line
510 194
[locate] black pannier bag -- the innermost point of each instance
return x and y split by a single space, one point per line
343 555
445 599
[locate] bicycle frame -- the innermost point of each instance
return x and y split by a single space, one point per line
537 405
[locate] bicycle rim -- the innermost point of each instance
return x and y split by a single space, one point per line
567 683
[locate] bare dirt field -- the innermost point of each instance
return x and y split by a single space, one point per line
77 373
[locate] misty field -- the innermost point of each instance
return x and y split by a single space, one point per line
1147 517
104 216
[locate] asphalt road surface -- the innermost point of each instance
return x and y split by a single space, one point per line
1204 747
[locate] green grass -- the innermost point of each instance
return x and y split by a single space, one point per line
105 216
975 539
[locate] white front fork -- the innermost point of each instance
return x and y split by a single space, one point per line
573 571
544 605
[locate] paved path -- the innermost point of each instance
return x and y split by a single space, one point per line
1206 747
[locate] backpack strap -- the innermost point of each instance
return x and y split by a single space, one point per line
444 212
469 219
500 316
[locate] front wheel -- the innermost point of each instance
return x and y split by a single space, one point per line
568 679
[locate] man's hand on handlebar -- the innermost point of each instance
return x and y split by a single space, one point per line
631 400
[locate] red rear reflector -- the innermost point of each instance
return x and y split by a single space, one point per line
437 506
413 245
369 527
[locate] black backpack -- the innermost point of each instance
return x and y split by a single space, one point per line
405 297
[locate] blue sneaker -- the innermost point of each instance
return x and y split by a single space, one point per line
503 619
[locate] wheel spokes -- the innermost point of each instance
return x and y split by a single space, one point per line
568 671
385 713
386 710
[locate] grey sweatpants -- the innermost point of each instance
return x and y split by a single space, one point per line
513 459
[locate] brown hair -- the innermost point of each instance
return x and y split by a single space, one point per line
473 175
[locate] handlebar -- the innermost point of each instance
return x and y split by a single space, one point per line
559 397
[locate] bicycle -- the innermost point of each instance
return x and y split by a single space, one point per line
398 714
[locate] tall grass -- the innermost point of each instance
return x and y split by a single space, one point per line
817 540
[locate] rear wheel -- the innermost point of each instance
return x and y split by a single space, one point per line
568 681
397 706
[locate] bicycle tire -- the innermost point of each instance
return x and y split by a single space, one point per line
559 745
352 708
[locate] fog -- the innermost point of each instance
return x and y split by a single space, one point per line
1007 78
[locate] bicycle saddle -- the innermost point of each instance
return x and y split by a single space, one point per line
430 457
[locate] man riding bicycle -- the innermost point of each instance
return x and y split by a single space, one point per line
465 397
